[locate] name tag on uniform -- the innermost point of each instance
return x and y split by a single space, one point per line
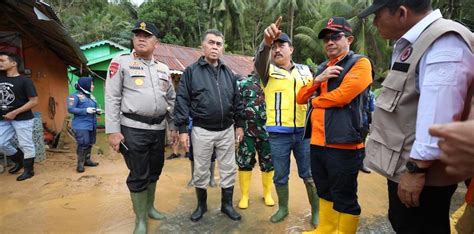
134 72
135 69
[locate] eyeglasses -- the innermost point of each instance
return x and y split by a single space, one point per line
333 37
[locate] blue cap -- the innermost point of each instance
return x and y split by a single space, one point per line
283 38
84 84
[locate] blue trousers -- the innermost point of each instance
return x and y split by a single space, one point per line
281 146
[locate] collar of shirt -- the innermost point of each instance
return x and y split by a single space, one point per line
291 67
150 62
202 61
339 58
415 31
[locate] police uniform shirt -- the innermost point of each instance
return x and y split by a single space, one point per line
137 86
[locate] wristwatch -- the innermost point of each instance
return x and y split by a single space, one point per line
413 168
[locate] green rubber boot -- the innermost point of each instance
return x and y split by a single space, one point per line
282 212
152 212
139 201
313 200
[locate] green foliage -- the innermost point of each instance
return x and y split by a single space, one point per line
96 20
182 22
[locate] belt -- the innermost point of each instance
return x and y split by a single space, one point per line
145 119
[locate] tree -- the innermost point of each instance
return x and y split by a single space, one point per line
179 21
292 8
367 40
227 16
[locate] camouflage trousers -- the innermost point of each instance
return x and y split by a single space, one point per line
248 148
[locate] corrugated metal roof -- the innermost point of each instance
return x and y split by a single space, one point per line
37 20
179 57
102 42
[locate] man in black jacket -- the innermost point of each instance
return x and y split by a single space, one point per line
208 93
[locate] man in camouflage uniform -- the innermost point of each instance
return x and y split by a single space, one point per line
255 140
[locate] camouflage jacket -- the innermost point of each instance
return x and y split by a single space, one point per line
253 100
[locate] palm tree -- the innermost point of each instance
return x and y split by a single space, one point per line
227 16
367 40
292 7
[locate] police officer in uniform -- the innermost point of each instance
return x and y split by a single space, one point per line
139 96
84 108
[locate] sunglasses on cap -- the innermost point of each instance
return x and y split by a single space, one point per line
333 37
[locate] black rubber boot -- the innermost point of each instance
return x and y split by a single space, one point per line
226 204
17 158
201 195
81 158
28 172
89 162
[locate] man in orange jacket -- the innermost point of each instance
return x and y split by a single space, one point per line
336 126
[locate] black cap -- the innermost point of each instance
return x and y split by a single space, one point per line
336 24
284 38
376 5
146 27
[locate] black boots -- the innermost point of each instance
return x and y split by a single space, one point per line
201 195
17 158
81 159
226 204
89 162
28 172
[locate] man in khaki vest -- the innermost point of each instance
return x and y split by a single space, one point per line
431 70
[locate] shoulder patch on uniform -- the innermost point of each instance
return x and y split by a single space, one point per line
113 68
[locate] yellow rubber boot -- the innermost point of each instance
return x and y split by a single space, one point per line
244 179
267 182
348 223
328 219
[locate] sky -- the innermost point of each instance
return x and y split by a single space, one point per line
137 2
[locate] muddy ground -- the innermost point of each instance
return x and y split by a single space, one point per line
59 200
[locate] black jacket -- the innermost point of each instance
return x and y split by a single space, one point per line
210 96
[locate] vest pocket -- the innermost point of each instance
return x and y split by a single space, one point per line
392 90
384 154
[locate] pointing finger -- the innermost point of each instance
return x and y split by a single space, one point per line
278 21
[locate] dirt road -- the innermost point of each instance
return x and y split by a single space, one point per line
59 200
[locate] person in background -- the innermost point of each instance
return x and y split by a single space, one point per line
83 106
255 141
18 97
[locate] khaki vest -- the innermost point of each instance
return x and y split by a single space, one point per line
394 121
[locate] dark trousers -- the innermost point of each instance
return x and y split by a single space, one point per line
145 156
85 138
335 174
432 216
